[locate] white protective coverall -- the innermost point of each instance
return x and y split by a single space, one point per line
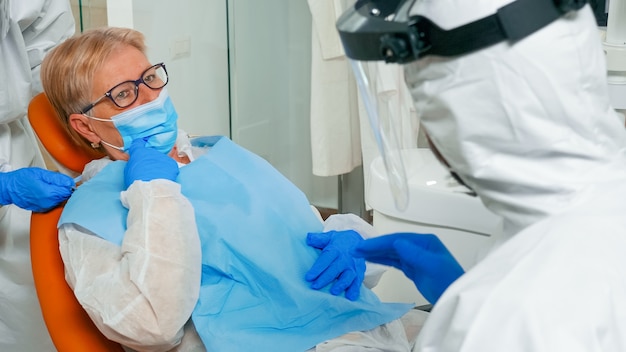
28 29
128 291
530 128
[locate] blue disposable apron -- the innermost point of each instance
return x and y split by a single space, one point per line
252 223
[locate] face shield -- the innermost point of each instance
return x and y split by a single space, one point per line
386 138
387 30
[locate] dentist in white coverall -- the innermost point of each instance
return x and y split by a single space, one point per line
28 29
529 127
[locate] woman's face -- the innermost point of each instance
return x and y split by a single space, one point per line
124 64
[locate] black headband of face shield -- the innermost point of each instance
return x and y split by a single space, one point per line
380 30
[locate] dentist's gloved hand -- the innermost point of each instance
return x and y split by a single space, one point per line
336 264
35 189
422 257
147 164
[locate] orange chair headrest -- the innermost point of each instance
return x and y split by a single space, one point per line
55 137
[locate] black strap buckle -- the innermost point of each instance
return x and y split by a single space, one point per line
406 47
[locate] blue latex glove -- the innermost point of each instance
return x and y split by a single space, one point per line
147 164
35 189
336 264
422 257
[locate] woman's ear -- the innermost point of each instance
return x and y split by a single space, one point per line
80 124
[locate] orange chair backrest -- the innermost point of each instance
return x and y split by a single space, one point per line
69 326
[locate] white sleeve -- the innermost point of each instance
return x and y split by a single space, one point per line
44 24
142 293
340 222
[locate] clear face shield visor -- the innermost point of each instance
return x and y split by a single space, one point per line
384 30
367 31
386 138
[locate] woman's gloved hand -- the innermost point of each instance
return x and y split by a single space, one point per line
336 264
147 164
422 257
35 189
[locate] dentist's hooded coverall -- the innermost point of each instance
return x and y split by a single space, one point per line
529 127
28 29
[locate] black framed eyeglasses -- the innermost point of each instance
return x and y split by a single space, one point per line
126 93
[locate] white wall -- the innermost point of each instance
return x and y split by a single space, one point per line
270 85
190 36
94 13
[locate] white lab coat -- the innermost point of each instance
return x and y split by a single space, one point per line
128 291
335 133
28 29
529 127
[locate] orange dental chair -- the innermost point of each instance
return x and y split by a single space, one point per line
69 326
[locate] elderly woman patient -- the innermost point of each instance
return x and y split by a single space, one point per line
179 244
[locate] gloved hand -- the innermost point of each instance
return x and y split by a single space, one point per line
35 189
422 257
336 263
147 164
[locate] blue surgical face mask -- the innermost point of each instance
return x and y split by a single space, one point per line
155 121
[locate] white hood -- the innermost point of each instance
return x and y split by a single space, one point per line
528 126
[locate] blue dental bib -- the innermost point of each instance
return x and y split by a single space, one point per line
252 223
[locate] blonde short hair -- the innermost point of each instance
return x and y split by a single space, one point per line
67 71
